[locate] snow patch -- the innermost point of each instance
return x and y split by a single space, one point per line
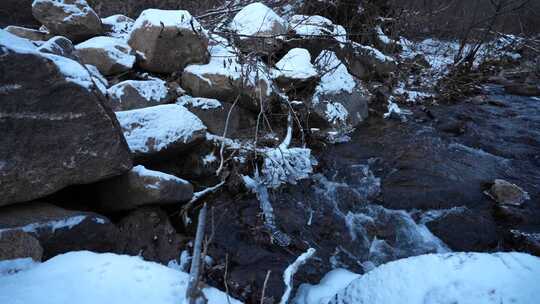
317 26
116 49
153 90
199 102
296 64
255 19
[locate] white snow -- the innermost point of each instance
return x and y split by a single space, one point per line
335 112
313 26
382 36
180 19
373 52
153 90
68 222
99 80
286 166
199 102
72 70
120 26
464 278
256 19
88 278
116 49
296 64
140 170
155 128
393 108
16 265
328 287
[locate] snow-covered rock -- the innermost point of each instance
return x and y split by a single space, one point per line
339 99
118 26
89 278
365 61
74 19
99 80
317 27
136 94
225 78
294 68
59 230
27 33
61 102
166 41
60 46
142 186
447 278
109 55
259 28
160 129
328 287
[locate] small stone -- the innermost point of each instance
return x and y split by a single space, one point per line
506 193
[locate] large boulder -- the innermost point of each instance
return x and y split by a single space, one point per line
259 29
74 19
148 232
367 62
506 193
136 94
167 41
56 129
110 55
17 244
60 230
160 130
315 33
141 186
295 69
28 33
225 78
340 101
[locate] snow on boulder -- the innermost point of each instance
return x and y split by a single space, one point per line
294 68
160 129
110 55
89 278
259 28
366 62
27 33
118 26
74 19
317 33
59 230
141 186
225 78
166 41
328 287
339 99
60 101
101 82
136 94
475 278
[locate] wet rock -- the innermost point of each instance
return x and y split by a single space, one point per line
225 78
56 96
167 41
160 130
259 29
117 26
60 46
60 230
366 62
110 55
16 244
506 193
74 19
523 89
465 230
28 33
148 232
141 186
137 94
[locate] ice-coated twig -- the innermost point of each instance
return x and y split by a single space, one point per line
192 291
289 272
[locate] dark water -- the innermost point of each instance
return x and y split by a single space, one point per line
397 189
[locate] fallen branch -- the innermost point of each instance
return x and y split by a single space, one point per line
196 197
193 291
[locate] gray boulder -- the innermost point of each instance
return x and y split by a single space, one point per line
136 94
60 46
110 55
56 129
59 230
16 244
167 41
27 33
141 186
74 19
